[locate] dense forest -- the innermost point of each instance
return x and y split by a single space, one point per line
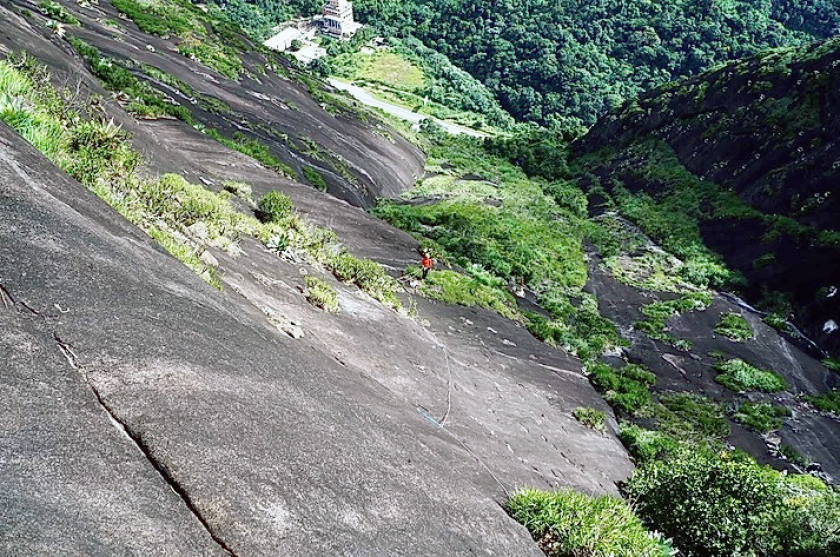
550 60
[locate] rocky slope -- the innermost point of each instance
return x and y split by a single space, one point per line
152 414
764 129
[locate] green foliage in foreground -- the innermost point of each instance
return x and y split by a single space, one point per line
717 504
762 417
321 294
591 418
828 402
569 524
737 375
734 327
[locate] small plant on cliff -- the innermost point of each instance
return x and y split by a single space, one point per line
738 375
591 418
321 294
56 11
569 524
274 207
734 327
828 402
762 417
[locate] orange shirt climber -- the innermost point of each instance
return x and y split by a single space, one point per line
426 263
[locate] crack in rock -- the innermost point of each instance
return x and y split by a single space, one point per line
136 438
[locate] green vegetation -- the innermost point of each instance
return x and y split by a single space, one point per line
657 314
832 363
455 288
186 219
321 294
737 375
734 327
591 418
314 178
274 207
409 74
207 37
56 11
485 215
827 402
626 388
716 504
254 149
690 416
569 524
547 62
792 455
259 18
115 76
762 417
646 445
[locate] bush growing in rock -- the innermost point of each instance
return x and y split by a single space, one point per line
274 207
715 505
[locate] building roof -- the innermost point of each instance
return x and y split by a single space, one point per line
282 39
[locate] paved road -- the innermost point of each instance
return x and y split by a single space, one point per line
364 97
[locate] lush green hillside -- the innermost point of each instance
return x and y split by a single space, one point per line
548 61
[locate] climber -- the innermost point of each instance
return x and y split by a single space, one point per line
426 263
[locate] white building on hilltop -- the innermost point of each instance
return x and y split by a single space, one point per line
337 20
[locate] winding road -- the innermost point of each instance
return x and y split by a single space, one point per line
364 97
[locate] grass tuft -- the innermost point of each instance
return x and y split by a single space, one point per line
737 375
762 417
320 294
569 524
591 418
734 327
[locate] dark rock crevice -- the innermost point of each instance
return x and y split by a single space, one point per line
66 349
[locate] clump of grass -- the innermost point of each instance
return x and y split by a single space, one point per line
314 178
827 402
734 327
658 313
455 288
737 375
254 149
274 206
792 455
56 11
832 363
626 389
569 524
646 445
239 189
591 418
367 275
762 417
321 294
691 416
